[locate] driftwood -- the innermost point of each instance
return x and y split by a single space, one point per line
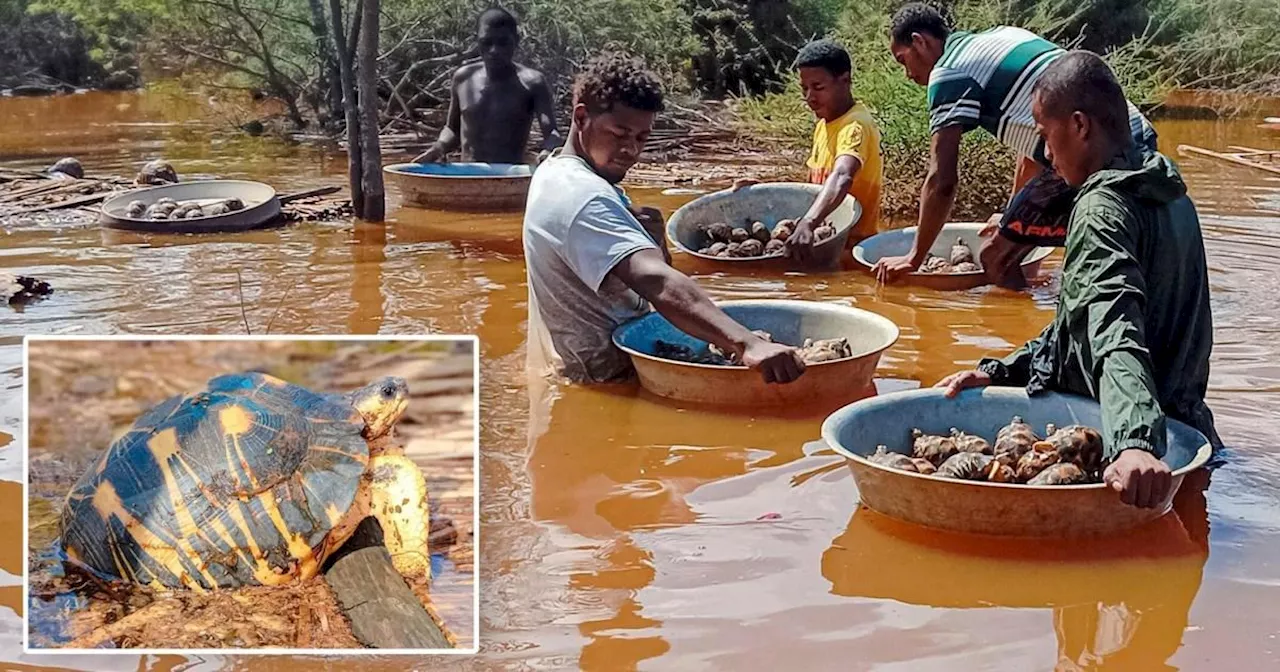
1241 158
71 203
383 610
299 195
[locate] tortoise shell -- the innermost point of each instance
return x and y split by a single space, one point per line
236 485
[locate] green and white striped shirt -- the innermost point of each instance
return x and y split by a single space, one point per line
986 78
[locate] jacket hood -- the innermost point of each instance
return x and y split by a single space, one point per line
1149 176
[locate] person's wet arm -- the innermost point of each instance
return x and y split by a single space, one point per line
1014 369
937 195
679 299
544 110
834 190
451 133
1104 296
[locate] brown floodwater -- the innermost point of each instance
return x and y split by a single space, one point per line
621 531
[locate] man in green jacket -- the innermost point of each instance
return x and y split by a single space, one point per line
1133 327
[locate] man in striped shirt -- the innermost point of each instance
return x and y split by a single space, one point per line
985 79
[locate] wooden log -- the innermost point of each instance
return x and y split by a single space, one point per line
89 199
318 191
383 610
1230 158
26 192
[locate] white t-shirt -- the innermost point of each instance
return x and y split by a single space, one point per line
577 227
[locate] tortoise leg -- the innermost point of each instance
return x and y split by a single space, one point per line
399 502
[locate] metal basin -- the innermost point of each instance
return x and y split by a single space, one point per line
462 186
898 242
990 508
789 322
765 203
261 207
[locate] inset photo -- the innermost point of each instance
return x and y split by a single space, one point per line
256 494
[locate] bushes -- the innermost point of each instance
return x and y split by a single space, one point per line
44 47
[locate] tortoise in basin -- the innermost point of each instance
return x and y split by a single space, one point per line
251 481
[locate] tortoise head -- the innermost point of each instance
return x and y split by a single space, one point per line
381 403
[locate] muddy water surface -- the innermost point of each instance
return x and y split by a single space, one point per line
622 531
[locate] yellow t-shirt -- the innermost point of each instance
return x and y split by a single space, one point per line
853 133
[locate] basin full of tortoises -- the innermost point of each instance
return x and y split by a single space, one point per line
994 461
952 262
205 206
840 345
753 224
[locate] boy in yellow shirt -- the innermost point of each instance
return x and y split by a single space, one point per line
845 158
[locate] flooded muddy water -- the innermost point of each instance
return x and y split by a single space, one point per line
621 531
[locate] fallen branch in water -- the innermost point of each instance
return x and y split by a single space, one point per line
243 314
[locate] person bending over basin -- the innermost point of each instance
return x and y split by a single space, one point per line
1133 327
845 158
985 79
594 262
492 104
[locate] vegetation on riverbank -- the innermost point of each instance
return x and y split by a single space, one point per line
1155 47
742 49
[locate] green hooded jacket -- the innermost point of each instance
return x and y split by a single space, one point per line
1133 327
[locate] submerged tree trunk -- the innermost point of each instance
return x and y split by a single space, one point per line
332 82
345 61
367 75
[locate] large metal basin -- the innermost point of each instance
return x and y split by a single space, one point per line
789 322
261 207
898 242
766 203
990 508
462 186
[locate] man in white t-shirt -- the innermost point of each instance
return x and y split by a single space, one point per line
595 262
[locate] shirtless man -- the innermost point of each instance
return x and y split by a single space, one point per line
493 103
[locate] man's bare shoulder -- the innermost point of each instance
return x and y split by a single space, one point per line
532 79
467 71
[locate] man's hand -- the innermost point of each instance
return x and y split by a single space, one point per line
776 362
651 220
993 223
799 245
432 155
542 156
742 183
891 268
1141 478
963 380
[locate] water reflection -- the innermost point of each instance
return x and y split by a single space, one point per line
1120 603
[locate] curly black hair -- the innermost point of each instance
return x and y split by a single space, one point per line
616 77
825 54
918 17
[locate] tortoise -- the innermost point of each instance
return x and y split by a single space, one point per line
157 171
960 253
936 449
965 466
760 232
69 166
825 350
970 443
252 481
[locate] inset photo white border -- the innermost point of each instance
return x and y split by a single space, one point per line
26 465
